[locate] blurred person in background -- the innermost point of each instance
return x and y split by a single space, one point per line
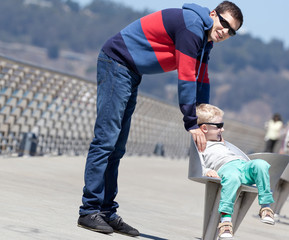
273 132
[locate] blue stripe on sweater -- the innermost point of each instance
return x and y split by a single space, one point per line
137 45
187 92
194 23
181 32
203 92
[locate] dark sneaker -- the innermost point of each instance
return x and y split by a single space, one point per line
95 223
120 226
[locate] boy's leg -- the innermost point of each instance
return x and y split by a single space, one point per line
257 171
231 181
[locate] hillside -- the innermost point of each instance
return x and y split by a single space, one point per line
249 78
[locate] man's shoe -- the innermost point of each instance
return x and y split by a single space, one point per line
94 222
120 226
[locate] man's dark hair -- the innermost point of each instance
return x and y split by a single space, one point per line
232 8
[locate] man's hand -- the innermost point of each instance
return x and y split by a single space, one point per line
212 173
199 138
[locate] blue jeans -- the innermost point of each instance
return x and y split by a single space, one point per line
117 88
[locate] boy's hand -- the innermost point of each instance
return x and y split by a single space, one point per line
212 173
199 138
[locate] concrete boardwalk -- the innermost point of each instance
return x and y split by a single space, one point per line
40 197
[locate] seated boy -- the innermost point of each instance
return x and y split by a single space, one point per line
234 170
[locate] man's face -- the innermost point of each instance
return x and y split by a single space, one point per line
213 133
218 32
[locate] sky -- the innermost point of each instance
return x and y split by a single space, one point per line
264 19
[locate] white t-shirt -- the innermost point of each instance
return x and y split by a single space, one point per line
216 155
273 130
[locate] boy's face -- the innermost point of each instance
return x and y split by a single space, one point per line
212 132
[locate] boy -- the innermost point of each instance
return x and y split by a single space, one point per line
220 161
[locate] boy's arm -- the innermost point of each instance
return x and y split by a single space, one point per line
207 171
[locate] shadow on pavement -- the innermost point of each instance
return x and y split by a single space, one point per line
152 237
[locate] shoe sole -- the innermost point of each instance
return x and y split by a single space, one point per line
127 234
95 230
268 222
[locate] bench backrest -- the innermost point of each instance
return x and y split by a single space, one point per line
285 174
278 164
196 159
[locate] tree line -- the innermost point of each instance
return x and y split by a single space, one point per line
65 25
252 69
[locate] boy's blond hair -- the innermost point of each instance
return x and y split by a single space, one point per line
207 112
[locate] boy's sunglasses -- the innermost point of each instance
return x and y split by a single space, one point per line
218 125
225 24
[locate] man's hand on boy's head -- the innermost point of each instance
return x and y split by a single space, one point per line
199 138
212 173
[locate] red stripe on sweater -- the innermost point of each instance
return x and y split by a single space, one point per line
206 76
159 40
186 67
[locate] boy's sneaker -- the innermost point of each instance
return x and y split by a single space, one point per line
225 231
94 222
276 217
120 226
267 215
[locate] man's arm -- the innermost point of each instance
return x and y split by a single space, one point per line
199 138
190 64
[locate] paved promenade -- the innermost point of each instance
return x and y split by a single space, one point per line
40 197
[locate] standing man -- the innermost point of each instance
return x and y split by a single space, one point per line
167 40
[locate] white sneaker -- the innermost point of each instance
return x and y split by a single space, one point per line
267 215
225 231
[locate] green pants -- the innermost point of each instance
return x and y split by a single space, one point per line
239 172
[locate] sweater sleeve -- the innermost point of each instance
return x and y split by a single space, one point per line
193 80
204 168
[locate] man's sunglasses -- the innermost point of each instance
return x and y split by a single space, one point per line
225 24
218 125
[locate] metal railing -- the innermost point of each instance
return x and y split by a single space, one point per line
60 109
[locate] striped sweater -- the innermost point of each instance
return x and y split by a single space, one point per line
167 40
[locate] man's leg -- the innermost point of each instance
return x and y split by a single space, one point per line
113 93
109 205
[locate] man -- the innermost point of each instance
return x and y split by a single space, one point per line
171 39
